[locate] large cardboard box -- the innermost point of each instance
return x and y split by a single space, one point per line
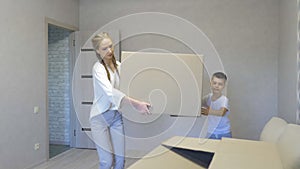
227 153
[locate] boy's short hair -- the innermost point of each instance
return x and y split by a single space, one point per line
220 75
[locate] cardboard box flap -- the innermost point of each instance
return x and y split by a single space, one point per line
197 144
246 154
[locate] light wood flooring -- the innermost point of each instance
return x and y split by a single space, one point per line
77 159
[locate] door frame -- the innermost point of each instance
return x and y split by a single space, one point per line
61 25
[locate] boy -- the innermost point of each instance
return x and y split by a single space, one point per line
216 107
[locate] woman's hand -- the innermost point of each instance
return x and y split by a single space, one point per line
140 106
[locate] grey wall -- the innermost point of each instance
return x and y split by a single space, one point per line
245 33
23 77
287 71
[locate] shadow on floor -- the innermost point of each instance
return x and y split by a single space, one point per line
55 149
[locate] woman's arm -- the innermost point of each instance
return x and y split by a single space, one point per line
115 96
140 106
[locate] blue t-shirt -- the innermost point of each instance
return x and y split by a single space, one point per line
218 124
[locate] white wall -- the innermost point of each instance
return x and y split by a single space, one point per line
287 71
245 33
23 77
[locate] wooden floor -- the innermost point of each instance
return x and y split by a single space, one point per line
77 159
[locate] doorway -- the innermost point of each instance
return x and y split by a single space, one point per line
59 89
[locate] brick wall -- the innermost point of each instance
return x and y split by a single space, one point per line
58 85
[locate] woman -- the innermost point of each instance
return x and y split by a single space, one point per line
106 120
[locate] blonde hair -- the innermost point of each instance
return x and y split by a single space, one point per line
97 39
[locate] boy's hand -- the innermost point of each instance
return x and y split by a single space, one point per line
204 110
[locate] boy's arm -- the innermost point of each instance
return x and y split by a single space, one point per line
208 110
204 107
204 110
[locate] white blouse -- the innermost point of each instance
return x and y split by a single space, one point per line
106 93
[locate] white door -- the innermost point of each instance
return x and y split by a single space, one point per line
82 87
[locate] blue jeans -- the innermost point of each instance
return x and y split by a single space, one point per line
108 135
218 136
